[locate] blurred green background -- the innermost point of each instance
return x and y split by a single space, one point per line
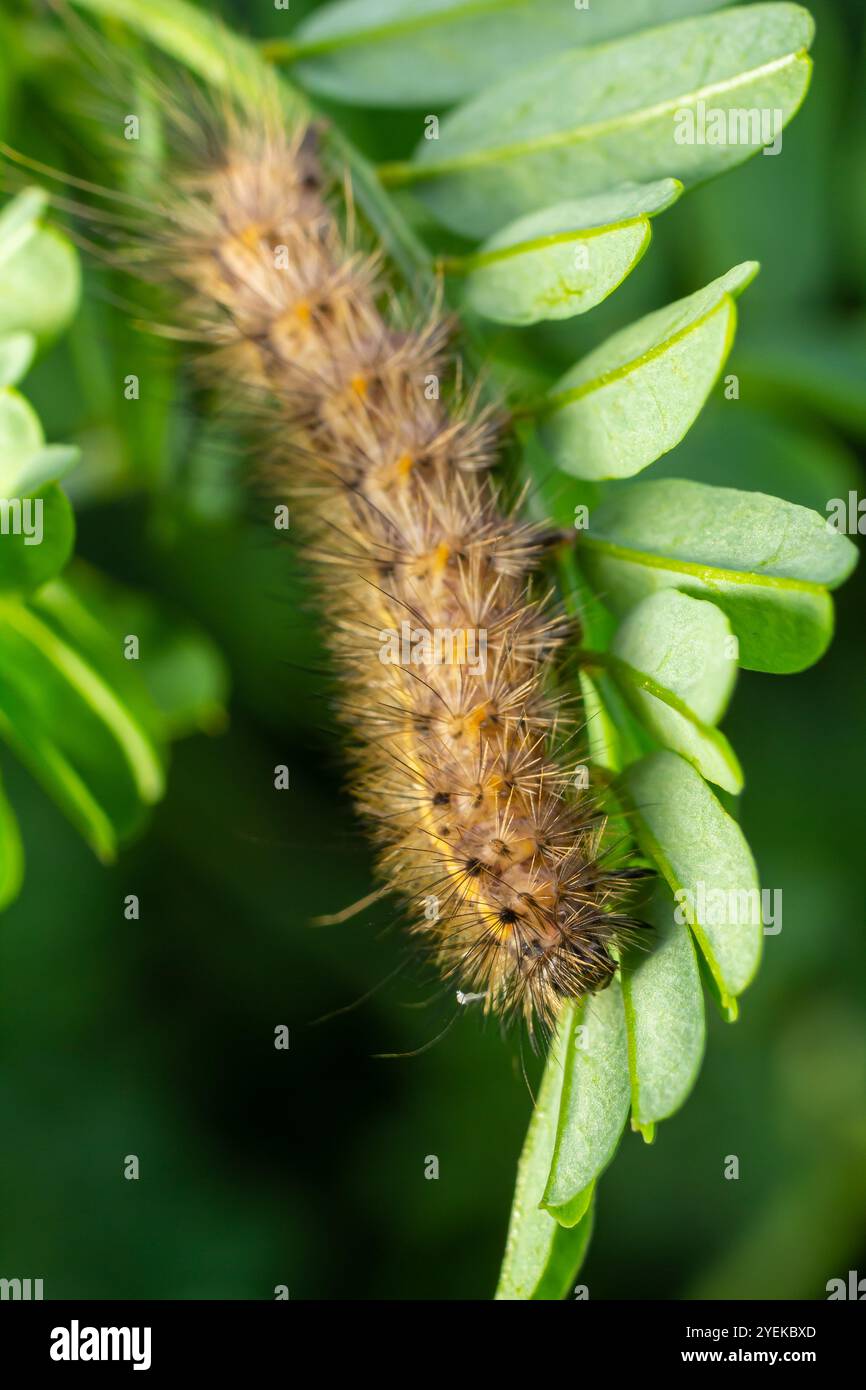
306 1168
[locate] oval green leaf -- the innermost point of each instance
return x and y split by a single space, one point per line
664 1016
39 285
766 563
541 1256
635 396
674 658
702 854
403 52
645 107
594 1103
566 259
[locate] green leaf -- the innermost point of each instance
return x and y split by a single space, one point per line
403 52
11 853
675 661
703 856
74 733
594 1104
570 1244
179 684
37 533
39 285
592 118
16 354
635 396
541 1256
664 1015
566 259
766 563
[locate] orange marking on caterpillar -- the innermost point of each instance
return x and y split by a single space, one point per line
251 235
441 556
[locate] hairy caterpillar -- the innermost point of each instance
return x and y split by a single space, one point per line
443 647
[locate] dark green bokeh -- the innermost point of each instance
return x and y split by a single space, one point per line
155 1038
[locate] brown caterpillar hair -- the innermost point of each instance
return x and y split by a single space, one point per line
501 862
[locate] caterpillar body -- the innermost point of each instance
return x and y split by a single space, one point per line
440 640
